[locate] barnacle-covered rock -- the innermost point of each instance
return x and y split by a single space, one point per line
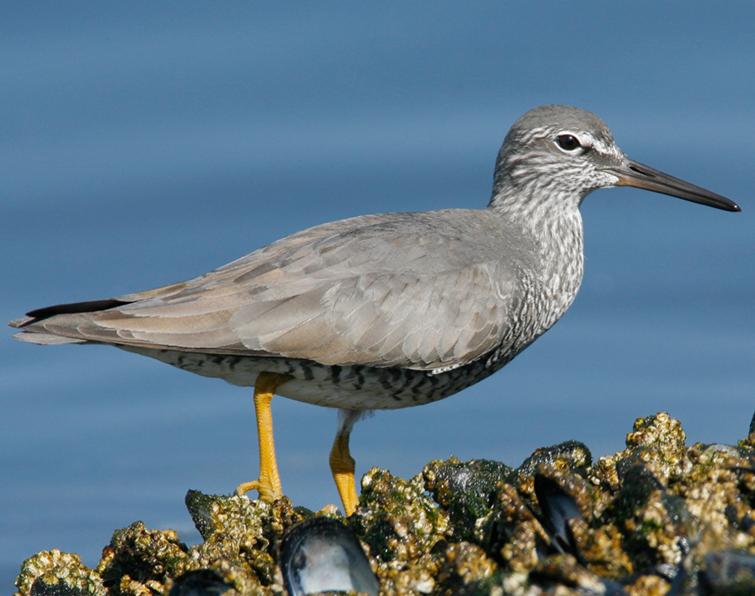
241 538
241 530
656 532
53 573
647 585
601 548
396 518
143 555
564 570
655 522
550 483
657 442
569 455
512 532
658 517
568 514
465 568
401 524
466 490
718 492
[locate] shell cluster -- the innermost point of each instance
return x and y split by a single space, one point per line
658 517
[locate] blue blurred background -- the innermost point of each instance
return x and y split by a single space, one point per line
144 143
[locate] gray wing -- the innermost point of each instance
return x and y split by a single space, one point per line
421 291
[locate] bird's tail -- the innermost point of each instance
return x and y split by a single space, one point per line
38 334
32 336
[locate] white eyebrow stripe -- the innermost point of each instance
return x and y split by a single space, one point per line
606 149
600 146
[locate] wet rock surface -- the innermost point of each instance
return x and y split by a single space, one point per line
658 517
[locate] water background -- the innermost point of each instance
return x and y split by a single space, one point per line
143 143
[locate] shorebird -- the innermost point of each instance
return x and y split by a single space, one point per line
383 311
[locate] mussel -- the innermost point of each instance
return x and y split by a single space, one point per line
323 555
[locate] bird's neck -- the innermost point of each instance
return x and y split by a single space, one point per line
554 226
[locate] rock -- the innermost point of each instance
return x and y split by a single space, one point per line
53 573
147 557
400 524
466 490
569 454
657 517
466 569
657 442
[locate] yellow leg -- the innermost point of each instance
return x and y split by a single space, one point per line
342 468
268 485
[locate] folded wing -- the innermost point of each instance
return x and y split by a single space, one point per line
386 290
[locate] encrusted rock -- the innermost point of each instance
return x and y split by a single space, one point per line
401 524
466 569
658 517
52 572
466 490
566 571
143 555
571 455
657 442
718 492
511 532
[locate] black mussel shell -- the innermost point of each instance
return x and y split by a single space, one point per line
202 582
728 572
557 507
323 555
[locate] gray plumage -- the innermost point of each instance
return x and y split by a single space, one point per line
384 311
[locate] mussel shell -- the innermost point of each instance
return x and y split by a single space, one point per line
202 582
557 507
728 572
40 588
323 555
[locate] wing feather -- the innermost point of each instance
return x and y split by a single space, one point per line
408 290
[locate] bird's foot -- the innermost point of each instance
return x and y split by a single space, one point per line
267 489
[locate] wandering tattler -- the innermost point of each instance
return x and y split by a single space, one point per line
384 311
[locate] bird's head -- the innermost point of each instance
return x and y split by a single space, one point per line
555 155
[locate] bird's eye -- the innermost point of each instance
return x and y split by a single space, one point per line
568 142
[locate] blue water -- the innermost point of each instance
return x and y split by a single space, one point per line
145 143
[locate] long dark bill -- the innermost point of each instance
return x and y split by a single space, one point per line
642 176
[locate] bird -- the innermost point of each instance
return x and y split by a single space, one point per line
383 311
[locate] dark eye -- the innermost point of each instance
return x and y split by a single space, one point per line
568 142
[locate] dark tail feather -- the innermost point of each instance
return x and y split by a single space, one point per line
40 314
